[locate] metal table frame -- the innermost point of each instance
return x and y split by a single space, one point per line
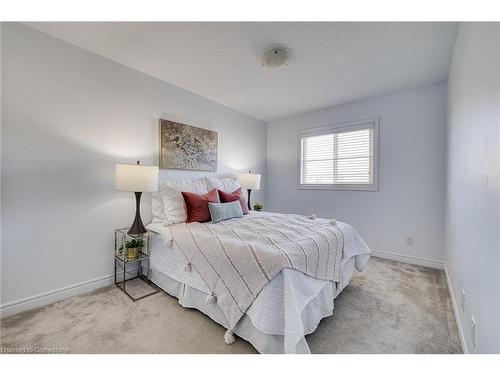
122 261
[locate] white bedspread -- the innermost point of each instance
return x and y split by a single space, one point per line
281 306
238 257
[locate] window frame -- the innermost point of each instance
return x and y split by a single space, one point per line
338 128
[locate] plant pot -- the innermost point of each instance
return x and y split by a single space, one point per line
133 253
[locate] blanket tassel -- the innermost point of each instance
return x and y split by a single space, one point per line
333 222
212 298
312 217
229 337
187 267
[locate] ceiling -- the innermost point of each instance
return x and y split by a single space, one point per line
331 63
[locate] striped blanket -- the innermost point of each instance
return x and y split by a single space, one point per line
238 257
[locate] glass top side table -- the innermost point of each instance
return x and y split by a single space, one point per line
133 249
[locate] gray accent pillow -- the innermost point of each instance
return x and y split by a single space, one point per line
224 211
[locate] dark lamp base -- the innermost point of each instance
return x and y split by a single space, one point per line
248 200
137 226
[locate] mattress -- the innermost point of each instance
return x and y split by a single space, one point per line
290 306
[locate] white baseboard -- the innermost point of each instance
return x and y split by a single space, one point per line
456 313
409 259
52 296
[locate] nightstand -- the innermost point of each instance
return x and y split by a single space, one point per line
138 258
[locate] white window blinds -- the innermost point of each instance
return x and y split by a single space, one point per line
339 156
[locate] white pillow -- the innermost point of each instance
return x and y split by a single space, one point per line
173 202
225 184
157 208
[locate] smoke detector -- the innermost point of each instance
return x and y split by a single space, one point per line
275 59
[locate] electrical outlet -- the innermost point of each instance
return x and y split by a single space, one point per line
473 331
409 240
462 299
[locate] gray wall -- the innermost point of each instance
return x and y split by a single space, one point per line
473 189
410 200
68 116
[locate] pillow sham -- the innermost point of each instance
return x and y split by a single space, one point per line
226 184
236 195
197 205
173 202
224 211
157 208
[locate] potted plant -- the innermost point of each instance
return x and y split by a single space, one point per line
258 207
133 248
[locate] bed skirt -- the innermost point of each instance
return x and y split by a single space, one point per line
268 343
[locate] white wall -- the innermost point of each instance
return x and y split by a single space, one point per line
68 116
473 189
410 200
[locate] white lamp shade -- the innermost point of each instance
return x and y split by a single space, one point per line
137 178
249 180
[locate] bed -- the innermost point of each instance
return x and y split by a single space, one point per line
284 309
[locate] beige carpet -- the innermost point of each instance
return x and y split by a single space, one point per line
391 307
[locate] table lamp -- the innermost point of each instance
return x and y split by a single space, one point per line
249 181
137 178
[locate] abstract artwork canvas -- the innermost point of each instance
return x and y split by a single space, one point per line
187 147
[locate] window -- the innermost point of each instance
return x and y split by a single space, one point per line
341 156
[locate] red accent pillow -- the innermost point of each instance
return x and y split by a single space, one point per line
197 205
234 196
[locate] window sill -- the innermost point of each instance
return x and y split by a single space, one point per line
338 187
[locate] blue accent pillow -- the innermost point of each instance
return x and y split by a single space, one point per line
224 211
